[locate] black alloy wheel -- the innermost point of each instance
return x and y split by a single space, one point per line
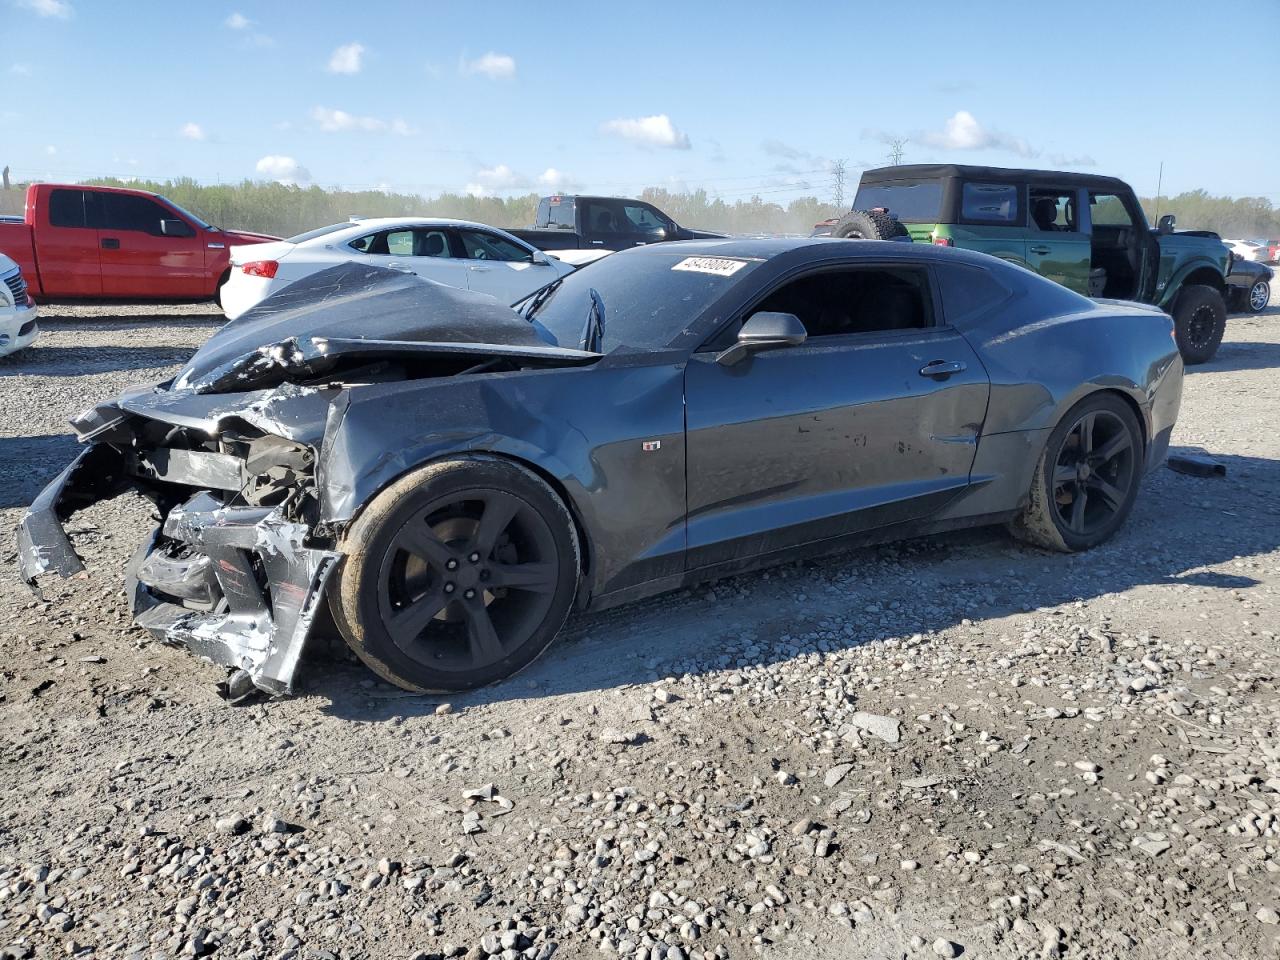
458 575
1094 472
1087 478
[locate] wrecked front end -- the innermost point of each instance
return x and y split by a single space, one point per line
234 570
231 452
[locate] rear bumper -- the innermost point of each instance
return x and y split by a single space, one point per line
235 585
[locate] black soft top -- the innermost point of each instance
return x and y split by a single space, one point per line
944 171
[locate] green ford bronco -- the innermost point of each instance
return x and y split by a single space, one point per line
1086 232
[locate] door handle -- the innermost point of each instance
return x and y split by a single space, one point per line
1040 250
110 243
399 266
941 369
481 269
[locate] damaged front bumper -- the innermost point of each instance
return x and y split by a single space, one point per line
235 583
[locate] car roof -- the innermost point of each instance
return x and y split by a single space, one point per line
939 171
815 248
358 228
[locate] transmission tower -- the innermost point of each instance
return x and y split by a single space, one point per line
897 147
837 183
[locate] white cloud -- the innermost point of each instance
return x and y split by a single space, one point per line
553 179
346 59
238 21
962 131
655 131
338 121
283 169
49 8
495 66
192 131
20 70
51 150
496 179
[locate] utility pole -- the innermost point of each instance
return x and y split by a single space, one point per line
6 176
837 173
1159 187
897 147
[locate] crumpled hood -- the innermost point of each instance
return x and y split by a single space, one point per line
357 302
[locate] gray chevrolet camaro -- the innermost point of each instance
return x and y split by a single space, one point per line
447 477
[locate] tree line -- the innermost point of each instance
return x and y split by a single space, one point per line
283 210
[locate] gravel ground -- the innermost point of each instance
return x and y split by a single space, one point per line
956 746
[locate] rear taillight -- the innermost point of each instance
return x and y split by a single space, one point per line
261 268
943 242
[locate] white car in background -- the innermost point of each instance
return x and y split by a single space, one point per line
1248 250
18 327
457 253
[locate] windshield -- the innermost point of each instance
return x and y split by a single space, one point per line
318 232
200 221
913 201
647 299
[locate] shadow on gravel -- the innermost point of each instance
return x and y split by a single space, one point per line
28 463
1241 355
47 361
1181 524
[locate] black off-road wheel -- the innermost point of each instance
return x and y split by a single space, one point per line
1199 321
868 225
458 575
1087 478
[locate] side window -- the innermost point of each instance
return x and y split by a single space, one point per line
561 214
400 243
489 246
862 300
431 243
1108 210
1053 210
644 219
600 217
990 203
66 208
121 211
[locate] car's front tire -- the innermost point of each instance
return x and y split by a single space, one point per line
1087 479
1256 298
1199 321
458 575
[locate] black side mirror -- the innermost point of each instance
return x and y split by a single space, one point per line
1166 224
176 228
764 331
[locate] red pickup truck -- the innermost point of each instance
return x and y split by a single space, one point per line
106 242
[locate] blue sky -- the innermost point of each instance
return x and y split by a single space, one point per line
612 97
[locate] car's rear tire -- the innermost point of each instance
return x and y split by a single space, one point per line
1199 321
868 225
1087 479
458 575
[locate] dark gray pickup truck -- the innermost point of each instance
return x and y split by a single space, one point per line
602 223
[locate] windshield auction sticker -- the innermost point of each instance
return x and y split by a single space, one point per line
719 266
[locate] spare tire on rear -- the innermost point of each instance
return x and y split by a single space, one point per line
869 225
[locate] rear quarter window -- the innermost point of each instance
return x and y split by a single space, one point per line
969 293
913 201
66 208
990 203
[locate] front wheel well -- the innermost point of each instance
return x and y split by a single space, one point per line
1204 276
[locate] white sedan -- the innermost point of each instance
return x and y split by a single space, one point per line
453 252
1248 249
